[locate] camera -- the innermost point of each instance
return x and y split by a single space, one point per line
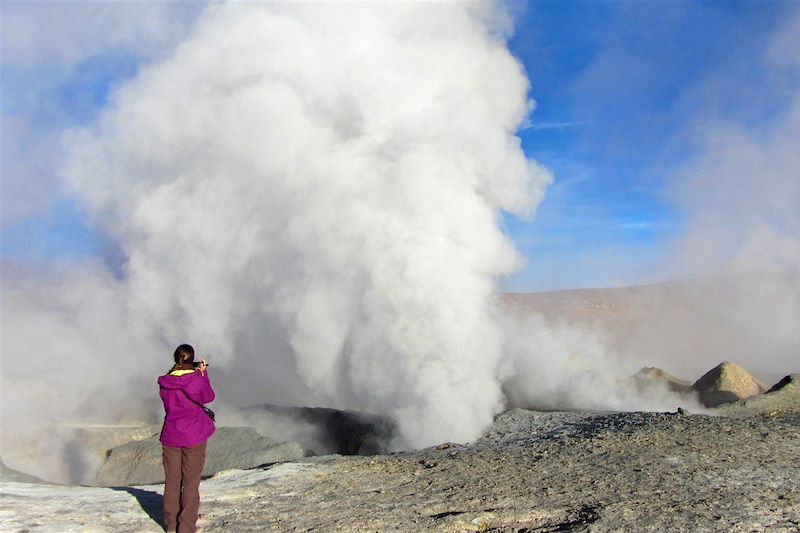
198 363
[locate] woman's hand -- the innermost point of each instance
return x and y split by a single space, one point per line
202 367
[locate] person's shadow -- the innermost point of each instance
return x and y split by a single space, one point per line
151 502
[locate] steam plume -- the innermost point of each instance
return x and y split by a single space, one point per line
311 194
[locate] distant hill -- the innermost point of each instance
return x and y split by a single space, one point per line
684 327
610 304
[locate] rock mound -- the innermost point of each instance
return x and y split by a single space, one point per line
139 462
727 383
653 375
9 474
783 399
788 385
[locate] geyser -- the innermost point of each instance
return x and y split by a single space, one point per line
311 194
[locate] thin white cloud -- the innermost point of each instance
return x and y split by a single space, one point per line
556 125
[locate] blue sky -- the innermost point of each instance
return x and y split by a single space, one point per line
622 90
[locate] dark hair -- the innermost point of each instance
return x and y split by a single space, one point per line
184 354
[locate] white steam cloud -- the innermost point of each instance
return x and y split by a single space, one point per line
42 44
310 194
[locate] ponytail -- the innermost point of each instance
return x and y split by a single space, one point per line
184 354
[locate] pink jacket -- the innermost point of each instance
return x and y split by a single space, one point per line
185 423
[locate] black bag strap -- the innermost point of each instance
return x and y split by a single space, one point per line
208 411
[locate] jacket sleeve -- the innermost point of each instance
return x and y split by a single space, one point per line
200 389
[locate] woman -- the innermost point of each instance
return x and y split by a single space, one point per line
187 427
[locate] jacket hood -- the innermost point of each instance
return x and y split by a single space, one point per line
176 380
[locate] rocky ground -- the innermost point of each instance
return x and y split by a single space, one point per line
530 472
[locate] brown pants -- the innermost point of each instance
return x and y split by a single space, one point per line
182 469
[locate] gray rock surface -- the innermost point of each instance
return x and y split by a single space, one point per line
529 472
139 462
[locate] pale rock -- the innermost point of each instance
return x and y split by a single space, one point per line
139 462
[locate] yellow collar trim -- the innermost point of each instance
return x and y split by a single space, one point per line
180 372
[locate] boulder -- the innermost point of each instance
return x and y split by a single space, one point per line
89 446
727 383
139 462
